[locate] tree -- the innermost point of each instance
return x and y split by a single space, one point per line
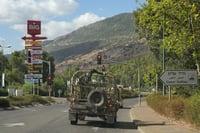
61 79
173 25
16 61
15 74
4 64
59 84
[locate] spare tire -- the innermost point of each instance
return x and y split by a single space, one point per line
96 98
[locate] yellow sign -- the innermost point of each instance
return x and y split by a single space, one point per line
37 66
33 71
33 43
34 66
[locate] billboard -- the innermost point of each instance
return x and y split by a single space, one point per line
33 27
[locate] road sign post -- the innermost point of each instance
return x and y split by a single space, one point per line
180 77
33 48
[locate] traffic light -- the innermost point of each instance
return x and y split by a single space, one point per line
49 80
29 56
99 57
103 68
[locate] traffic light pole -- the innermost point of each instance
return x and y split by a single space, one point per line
49 63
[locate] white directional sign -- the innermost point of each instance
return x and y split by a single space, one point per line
34 76
179 77
36 61
36 52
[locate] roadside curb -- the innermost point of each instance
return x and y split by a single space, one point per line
132 115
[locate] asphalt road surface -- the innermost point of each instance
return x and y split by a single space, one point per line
54 119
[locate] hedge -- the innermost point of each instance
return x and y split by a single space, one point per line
177 108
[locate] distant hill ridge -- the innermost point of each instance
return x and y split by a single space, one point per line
111 35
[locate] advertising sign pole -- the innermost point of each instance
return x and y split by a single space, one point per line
33 49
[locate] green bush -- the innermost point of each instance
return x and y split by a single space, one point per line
3 92
128 94
37 99
192 110
28 100
178 108
19 100
4 103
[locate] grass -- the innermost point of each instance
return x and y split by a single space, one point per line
179 108
24 100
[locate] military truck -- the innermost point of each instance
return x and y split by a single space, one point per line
93 94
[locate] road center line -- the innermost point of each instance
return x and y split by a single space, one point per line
13 124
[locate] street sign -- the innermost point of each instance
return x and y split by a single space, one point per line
35 76
36 61
34 71
33 43
36 52
33 27
34 38
33 47
179 77
33 81
36 56
37 66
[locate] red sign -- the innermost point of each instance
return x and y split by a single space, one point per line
34 38
36 56
33 47
33 27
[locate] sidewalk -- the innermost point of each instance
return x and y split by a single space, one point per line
149 121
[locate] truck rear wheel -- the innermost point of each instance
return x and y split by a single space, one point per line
96 98
74 122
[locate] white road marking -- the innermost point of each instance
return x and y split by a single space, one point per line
65 111
95 129
13 124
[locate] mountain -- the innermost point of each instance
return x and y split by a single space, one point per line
115 37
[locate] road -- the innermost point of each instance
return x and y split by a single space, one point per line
54 119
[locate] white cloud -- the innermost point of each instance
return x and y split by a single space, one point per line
86 19
54 29
18 11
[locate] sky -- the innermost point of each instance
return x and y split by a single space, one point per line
58 17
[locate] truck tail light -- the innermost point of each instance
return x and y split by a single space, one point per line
110 105
72 102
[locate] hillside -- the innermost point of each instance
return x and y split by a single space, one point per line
114 36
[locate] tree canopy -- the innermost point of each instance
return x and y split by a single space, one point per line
174 26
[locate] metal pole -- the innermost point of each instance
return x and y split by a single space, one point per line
33 87
169 93
49 67
156 83
139 86
163 52
163 69
2 65
49 63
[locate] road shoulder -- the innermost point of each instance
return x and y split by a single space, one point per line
148 121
